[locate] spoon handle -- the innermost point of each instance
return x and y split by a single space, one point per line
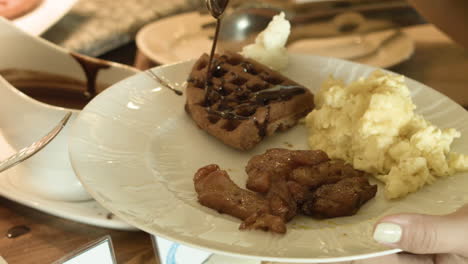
309 16
35 147
300 32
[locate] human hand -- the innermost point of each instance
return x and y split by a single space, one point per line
424 238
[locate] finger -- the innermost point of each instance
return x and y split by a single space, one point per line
401 258
405 258
461 213
424 234
450 259
398 259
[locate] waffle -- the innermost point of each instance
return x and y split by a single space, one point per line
248 101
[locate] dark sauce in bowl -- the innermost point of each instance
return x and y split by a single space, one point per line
60 90
57 90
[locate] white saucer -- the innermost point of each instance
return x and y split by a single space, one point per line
89 212
398 48
181 37
176 38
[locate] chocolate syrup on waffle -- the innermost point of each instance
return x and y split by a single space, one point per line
262 127
247 67
283 93
247 103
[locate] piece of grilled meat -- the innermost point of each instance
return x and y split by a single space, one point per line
288 182
343 198
217 191
279 162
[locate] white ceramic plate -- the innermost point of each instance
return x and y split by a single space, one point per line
176 38
135 150
44 16
89 212
13 187
181 37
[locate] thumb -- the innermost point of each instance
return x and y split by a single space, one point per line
425 234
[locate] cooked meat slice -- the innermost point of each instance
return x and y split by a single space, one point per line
279 162
291 182
217 191
269 173
343 198
299 193
266 222
328 172
281 201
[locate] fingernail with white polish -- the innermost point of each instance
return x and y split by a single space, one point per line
387 233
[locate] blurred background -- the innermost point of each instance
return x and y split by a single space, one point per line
388 34
383 33
107 28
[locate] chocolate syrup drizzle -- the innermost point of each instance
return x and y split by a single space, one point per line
216 11
246 104
91 67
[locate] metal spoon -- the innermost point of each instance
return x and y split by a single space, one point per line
242 25
35 147
216 9
382 43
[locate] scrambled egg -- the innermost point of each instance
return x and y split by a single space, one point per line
371 124
269 47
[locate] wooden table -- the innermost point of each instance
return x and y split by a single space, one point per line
51 238
437 62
